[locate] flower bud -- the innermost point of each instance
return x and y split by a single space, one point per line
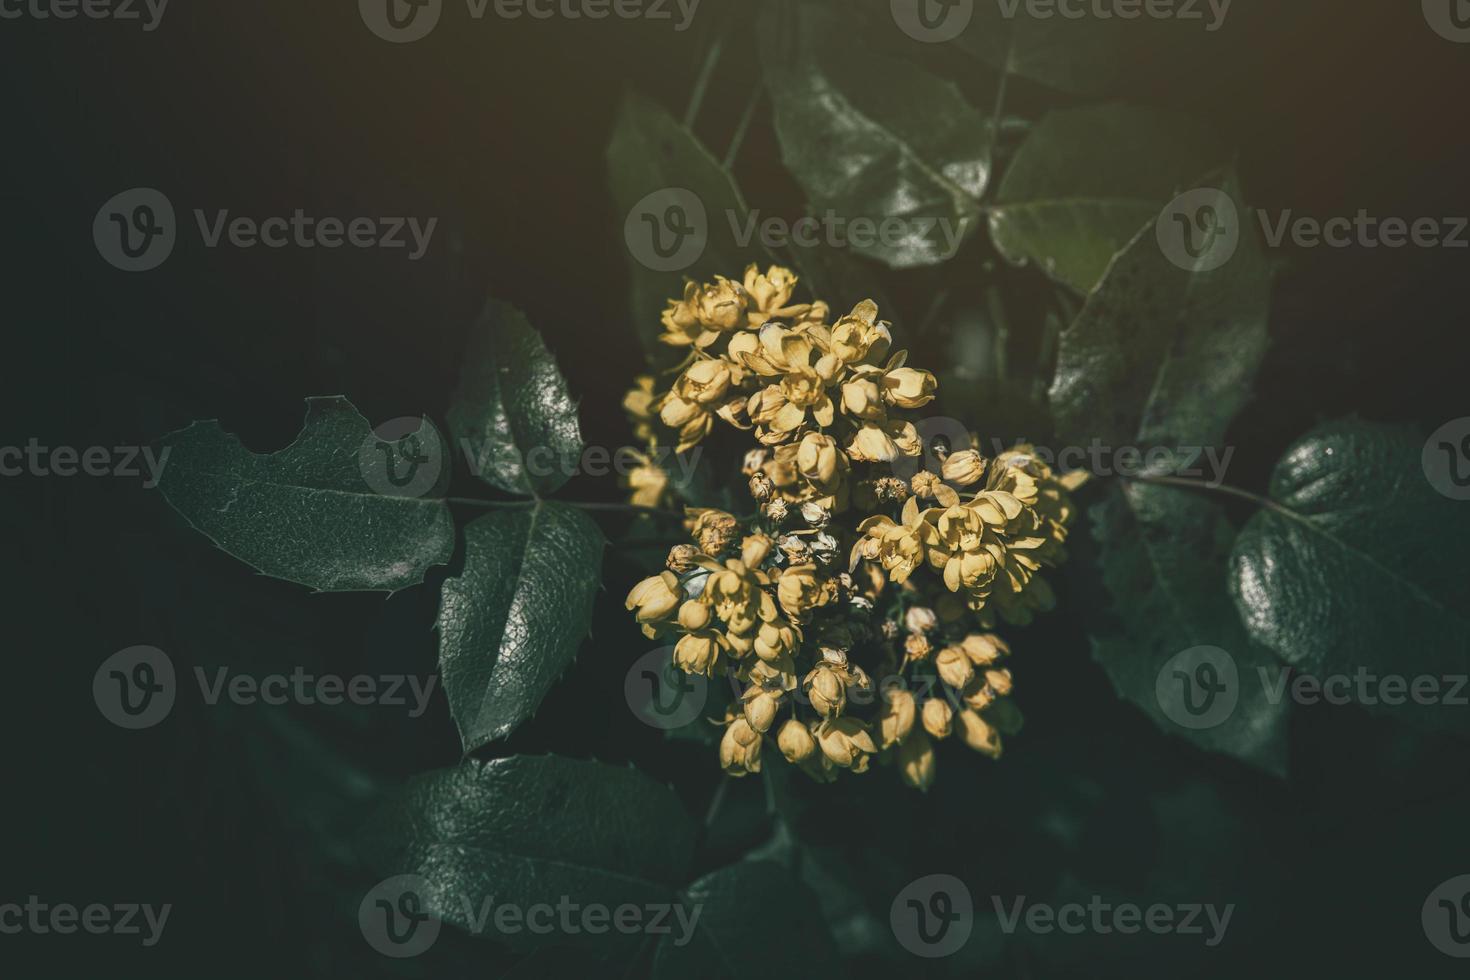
699 653
826 689
655 597
694 614
998 681
761 487
925 484
760 708
909 387
966 467
846 742
954 667
740 748
920 619
775 511
705 382
714 530
754 549
915 759
681 558
979 734
896 719
916 646
795 741
938 717
984 649
815 514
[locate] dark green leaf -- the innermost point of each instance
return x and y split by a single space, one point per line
755 920
531 830
1086 180
1360 566
655 165
512 414
339 509
1163 558
1161 355
511 622
872 137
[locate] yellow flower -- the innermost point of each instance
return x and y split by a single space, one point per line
769 295
649 483
655 599
699 652
707 381
691 420
760 707
979 734
775 640
898 547
826 689
883 442
846 742
896 719
713 530
860 335
638 404
966 467
938 717
907 387
954 667
705 312
821 460
803 588
915 759
740 748
795 741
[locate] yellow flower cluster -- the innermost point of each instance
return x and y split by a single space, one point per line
768 602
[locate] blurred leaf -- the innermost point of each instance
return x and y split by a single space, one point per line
529 830
651 153
1360 566
1163 558
1160 355
319 512
755 920
873 137
512 413
1080 56
1086 180
511 622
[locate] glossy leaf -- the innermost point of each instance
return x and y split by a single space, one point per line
875 139
533 830
513 415
1086 180
1360 567
325 511
511 622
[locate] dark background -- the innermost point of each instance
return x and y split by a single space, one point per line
498 128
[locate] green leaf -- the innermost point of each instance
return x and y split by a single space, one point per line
532 830
1078 56
870 137
755 920
324 512
1161 355
513 414
654 164
1360 566
1163 562
511 622
1086 180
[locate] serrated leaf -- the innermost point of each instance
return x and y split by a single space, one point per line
534 830
1163 561
755 920
512 413
1086 180
1359 567
873 137
1161 355
652 152
511 622
324 512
